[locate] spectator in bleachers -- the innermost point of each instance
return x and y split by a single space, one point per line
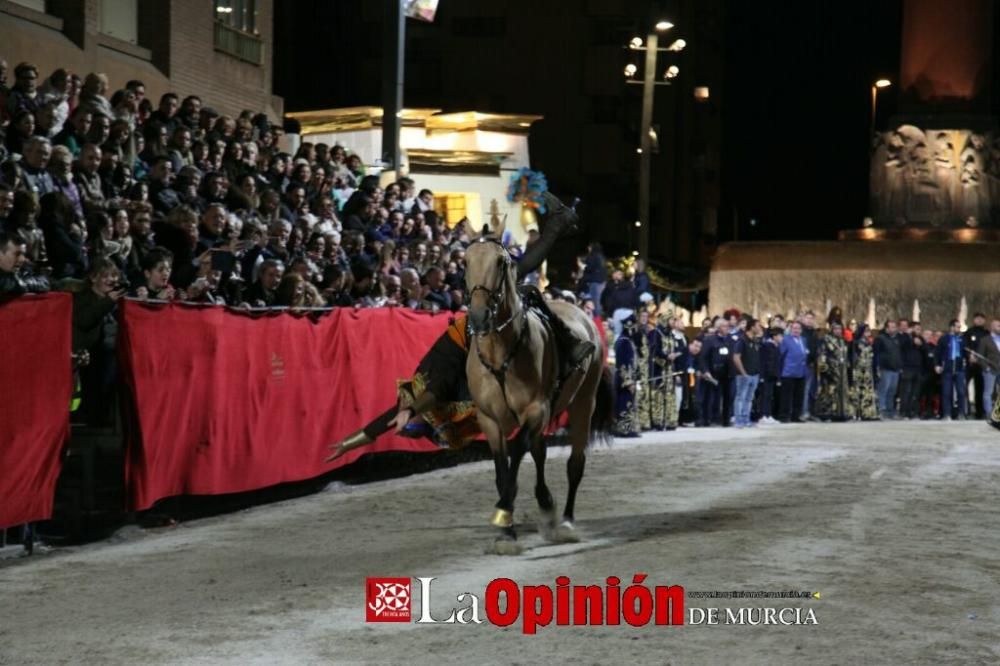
61 169
263 292
92 96
435 291
54 93
95 330
88 180
157 267
37 151
138 88
165 114
4 91
190 112
119 141
125 107
161 194
65 236
23 96
6 204
45 119
211 230
100 130
23 225
21 128
12 281
74 133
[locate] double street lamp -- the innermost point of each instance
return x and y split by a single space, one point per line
647 135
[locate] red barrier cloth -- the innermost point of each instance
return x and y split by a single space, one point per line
35 392
227 402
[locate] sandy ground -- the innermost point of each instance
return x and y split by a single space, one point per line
895 524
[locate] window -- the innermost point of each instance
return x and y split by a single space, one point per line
237 14
37 5
453 207
236 30
120 19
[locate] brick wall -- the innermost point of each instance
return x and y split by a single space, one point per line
222 81
176 51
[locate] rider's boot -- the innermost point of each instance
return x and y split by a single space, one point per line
557 221
573 350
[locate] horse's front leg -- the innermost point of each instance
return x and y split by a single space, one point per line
506 481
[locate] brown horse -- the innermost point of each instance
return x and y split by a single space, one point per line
513 373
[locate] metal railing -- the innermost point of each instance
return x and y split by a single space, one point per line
242 45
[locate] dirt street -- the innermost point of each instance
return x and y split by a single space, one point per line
894 524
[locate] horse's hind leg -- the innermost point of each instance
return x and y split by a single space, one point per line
546 505
580 412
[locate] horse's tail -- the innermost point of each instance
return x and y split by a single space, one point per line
603 419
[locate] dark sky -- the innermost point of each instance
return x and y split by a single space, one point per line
797 113
795 99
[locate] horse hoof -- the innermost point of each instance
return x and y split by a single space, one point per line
505 546
566 533
502 518
547 525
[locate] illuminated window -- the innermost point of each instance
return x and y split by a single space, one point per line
237 14
454 206
236 30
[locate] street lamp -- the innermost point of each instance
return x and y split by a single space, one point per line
878 85
646 133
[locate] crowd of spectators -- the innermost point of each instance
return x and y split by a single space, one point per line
740 371
186 203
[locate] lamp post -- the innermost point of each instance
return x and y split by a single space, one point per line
393 50
878 85
648 83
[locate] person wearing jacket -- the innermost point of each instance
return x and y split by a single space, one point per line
912 347
12 257
619 300
716 372
889 355
974 371
770 375
949 362
794 367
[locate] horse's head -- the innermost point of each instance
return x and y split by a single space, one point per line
489 280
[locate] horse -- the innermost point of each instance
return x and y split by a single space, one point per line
513 372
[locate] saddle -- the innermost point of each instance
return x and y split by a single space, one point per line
572 350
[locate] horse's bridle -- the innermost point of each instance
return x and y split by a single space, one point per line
494 299
494 296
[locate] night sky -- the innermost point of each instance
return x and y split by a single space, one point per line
797 112
795 99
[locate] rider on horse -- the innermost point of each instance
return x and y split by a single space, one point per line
437 391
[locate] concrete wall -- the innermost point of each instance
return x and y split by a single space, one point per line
175 50
786 277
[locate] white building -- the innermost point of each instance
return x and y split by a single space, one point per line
465 158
